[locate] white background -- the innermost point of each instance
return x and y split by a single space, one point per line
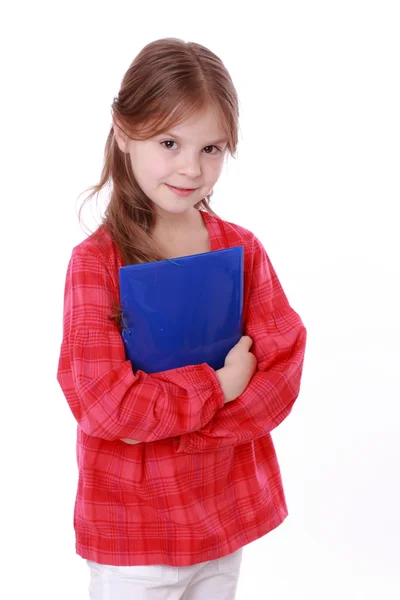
316 178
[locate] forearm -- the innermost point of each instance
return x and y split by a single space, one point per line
266 402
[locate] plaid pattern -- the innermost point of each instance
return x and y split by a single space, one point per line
206 480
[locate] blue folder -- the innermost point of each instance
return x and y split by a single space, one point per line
185 311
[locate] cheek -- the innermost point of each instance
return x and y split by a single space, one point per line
157 168
215 170
149 167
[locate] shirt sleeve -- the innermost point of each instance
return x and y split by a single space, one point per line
279 339
107 399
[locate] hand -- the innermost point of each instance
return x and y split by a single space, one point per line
239 368
128 441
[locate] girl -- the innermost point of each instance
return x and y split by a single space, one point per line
177 470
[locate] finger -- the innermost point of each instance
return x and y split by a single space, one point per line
246 341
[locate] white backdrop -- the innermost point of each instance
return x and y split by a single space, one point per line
316 178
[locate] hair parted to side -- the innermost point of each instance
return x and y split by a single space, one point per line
168 81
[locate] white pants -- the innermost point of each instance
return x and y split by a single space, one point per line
212 580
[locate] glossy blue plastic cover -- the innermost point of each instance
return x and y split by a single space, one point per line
185 311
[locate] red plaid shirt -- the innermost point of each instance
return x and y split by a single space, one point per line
204 479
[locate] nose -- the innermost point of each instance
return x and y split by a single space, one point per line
190 165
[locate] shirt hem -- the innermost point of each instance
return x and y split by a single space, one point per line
113 557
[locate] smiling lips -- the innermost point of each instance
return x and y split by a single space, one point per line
181 191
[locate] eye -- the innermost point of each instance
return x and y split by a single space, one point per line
168 142
168 145
217 149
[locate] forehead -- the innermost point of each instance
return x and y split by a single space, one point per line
202 125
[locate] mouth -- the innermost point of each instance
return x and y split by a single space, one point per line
181 189
182 192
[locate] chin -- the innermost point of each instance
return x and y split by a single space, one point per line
175 208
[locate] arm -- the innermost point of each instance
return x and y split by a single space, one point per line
279 339
234 377
107 399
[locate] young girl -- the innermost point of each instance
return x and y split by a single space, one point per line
177 470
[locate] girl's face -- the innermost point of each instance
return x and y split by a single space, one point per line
190 156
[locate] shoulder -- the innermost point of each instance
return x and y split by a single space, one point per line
97 256
97 243
99 246
234 234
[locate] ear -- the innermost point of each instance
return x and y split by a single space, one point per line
120 137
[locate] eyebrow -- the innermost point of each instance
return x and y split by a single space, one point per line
169 133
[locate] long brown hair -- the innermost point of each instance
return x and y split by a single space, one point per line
168 81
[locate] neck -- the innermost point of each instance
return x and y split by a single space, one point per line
175 222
